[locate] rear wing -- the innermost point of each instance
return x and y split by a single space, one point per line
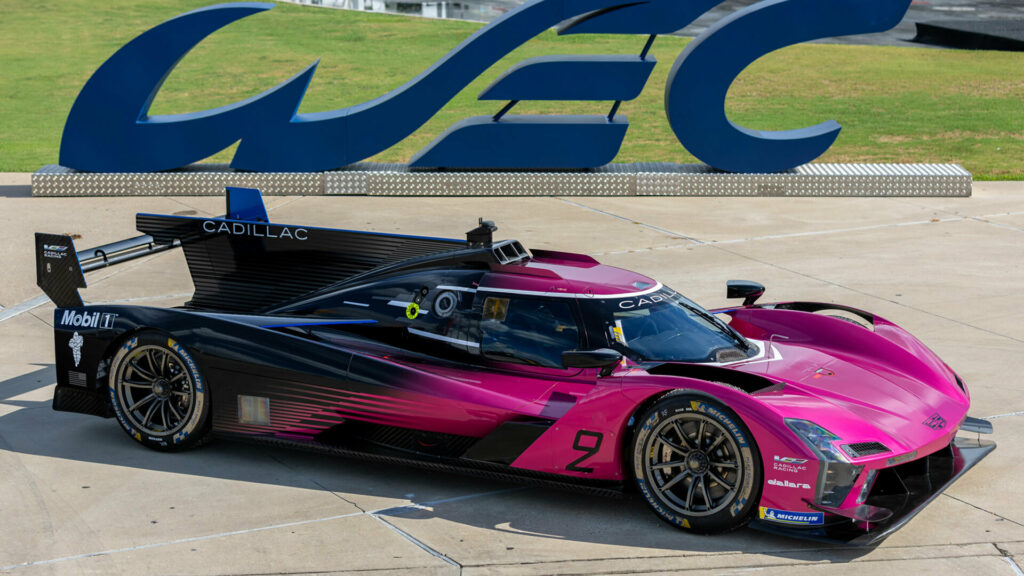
240 262
60 269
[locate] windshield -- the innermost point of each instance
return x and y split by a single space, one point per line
666 326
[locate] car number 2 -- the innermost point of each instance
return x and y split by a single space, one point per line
588 447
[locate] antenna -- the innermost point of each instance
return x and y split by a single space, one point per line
482 235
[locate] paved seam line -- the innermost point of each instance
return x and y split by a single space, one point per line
45 321
954 218
8 313
630 220
142 298
248 531
418 543
976 507
850 288
1007 415
283 204
719 246
823 561
23 307
984 218
784 236
826 548
189 206
836 231
179 541
321 486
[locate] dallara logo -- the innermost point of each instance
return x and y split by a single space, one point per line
87 319
788 484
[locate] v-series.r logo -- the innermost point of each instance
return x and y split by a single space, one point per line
87 319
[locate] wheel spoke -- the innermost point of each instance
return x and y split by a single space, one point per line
682 435
178 377
163 364
704 493
675 480
675 447
721 438
142 372
163 414
177 415
149 414
138 404
729 465
137 384
700 433
152 365
689 494
665 465
720 481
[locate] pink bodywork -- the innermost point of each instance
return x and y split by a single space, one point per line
863 385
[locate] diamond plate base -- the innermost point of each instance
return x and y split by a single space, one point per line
640 179
193 180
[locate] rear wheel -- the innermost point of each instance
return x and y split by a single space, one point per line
696 464
158 394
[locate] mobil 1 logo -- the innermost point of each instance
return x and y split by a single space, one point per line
73 319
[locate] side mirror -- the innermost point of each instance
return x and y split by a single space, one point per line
749 291
603 358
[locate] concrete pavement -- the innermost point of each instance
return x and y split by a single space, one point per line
78 496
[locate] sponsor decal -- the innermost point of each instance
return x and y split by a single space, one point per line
200 397
788 484
617 333
54 251
76 347
104 320
641 301
787 464
725 420
787 517
255 230
935 422
902 458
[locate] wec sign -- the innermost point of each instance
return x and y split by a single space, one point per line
109 128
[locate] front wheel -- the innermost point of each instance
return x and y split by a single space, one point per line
158 394
697 464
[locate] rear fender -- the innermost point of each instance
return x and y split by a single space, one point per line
85 338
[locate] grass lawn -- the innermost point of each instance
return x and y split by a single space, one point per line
896 104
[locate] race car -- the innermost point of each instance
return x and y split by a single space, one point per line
809 419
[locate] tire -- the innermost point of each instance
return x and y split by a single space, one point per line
716 483
158 394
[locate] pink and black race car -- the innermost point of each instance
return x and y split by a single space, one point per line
815 420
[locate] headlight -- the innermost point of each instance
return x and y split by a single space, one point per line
837 475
